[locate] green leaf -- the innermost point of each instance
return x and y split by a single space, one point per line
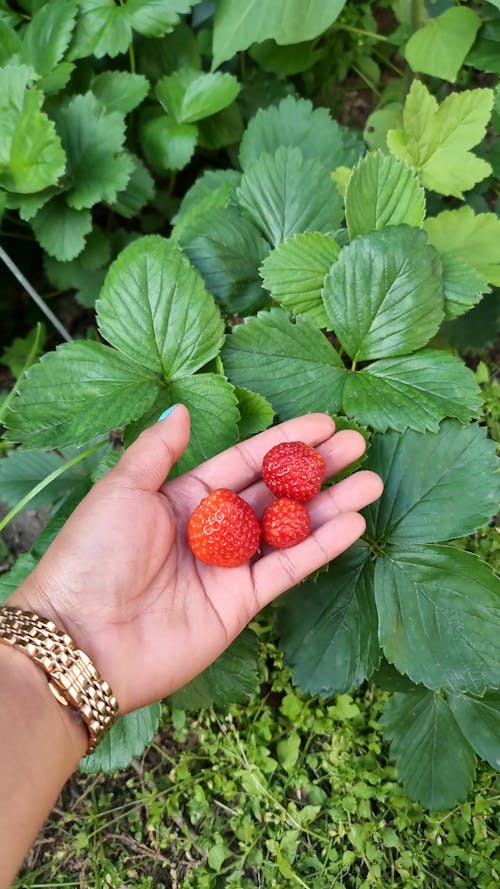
463 286
285 21
294 273
382 191
85 274
120 90
484 55
436 487
294 123
56 80
328 627
286 194
47 36
384 294
168 145
21 471
10 43
230 678
154 18
155 309
439 616
190 95
436 139
22 352
287 754
440 47
479 721
93 139
61 230
256 414
221 129
80 391
416 392
477 330
227 249
128 737
378 124
423 731
470 237
213 189
292 364
31 154
101 30
279 60
138 192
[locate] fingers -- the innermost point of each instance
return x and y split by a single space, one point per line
147 462
282 569
241 465
349 495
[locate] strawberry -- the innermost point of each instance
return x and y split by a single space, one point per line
223 530
293 469
285 522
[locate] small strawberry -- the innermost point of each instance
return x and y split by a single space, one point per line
293 469
285 522
223 530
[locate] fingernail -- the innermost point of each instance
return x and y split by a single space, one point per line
166 413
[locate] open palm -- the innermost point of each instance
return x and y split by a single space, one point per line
122 581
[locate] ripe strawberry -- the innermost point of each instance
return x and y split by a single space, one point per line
285 522
293 469
223 530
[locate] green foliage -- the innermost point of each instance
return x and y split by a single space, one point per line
440 47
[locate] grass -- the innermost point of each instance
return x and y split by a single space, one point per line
286 791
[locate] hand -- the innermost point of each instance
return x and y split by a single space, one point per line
121 580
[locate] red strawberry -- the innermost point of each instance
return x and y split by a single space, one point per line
223 530
285 522
293 469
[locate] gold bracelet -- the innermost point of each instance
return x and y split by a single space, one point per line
73 678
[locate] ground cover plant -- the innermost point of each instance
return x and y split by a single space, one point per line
297 266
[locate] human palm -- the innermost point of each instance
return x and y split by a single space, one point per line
122 581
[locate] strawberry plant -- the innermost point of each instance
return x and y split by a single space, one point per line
318 272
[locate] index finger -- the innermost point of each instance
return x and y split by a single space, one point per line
241 465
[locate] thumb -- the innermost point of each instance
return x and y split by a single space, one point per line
147 462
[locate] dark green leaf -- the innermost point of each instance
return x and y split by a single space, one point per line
328 626
382 191
292 364
416 392
479 721
423 732
48 34
56 80
21 471
387 677
439 616
278 59
138 192
10 42
230 678
256 414
61 230
463 286
213 189
222 129
286 194
384 294
477 330
120 90
168 145
155 309
24 351
129 736
436 486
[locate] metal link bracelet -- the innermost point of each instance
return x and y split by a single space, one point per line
73 678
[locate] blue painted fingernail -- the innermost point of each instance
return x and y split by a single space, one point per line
166 413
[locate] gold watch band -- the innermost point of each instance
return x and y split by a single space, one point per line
73 678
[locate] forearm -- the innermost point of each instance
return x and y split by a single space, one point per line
41 745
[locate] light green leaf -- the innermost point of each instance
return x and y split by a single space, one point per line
294 273
423 731
154 18
31 154
452 489
440 47
168 145
416 392
328 627
230 678
287 751
384 294
256 414
128 737
472 238
227 249
439 616
80 391
190 95
286 194
479 721
285 21
294 123
292 364
61 230
463 286
378 124
436 139
102 29
382 191
138 192
93 139
155 309
48 34
56 80
120 90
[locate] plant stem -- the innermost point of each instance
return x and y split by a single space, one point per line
131 55
372 34
47 481
42 305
